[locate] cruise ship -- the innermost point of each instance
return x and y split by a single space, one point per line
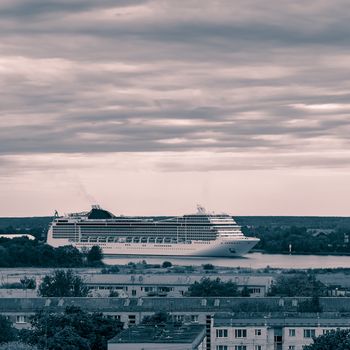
202 234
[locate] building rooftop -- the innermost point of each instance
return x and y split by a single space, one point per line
281 319
184 304
169 333
173 279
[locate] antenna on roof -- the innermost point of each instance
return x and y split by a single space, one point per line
95 206
56 214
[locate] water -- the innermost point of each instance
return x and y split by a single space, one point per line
253 260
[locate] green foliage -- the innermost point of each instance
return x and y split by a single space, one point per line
28 283
15 345
334 340
208 267
94 256
113 293
7 332
213 288
276 239
245 292
312 305
159 318
72 330
298 285
167 264
112 269
63 284
20 252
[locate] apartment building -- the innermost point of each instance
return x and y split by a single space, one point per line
131 311
170 285
272 331
169 336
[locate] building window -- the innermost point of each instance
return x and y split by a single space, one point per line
133 292
292 332
178 318
20 319
309 333
221 333
132 319
194 318
240 347
258 332
291 347
326 331
221 347
257 347
240 333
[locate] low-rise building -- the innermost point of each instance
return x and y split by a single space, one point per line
131 311
170 285
169 336
272 331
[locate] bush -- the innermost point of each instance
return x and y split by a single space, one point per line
208 267
7 332
167 264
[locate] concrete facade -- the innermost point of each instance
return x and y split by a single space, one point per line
169 285
244 313
275 331
185 337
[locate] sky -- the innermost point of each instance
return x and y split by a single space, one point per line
150 107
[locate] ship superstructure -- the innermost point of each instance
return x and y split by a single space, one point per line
200 234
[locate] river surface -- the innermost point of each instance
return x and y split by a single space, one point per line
253 260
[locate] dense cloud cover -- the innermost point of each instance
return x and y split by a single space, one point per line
175 86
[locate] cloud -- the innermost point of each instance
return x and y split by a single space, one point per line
257 81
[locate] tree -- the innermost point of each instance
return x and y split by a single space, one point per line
28 283
312 305
67 338
15 345
245 292
7 332
94 256
74 329
213 288
167 264
334 340
157 319
113 293
208 267
63 284
298 285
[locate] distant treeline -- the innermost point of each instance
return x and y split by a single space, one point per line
310 222
36 226
22 252
277 240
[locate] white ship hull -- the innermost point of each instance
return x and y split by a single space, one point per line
218 248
